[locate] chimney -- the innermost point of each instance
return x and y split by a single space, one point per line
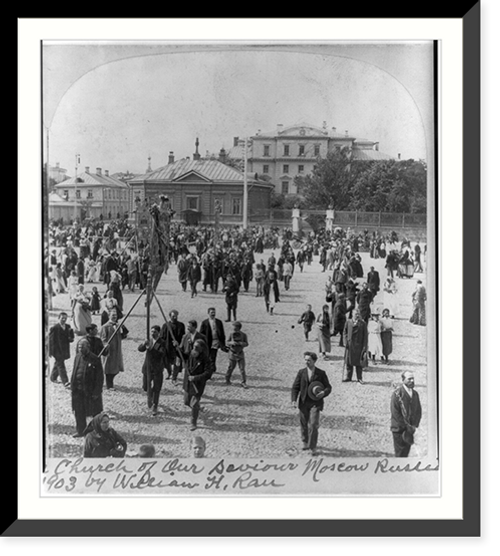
106 173
334 129
98 171
57 164
376 146
235 141
280 128
324 124
171 157
196 155
222 155
258 132
399 156
346 133
87 169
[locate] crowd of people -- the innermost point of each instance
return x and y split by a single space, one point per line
226 261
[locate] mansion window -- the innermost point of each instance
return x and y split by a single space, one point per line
302 150
286 150
90 194
78 194
301 168
192 203
265 169
316 150
66 194
285 189
237 205
286 168
266 150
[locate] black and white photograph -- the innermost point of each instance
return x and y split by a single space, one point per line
239 268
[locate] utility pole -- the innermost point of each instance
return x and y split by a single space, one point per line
245 185
77 161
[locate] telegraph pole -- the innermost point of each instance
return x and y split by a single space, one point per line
245 186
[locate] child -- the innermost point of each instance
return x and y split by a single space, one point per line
95 303
374 340
307 319
236 343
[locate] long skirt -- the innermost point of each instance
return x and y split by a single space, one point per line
325 342
386 337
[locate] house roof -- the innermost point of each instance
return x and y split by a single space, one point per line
88 178
210 170
57 200
367 154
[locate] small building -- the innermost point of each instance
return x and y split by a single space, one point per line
194 186
89 195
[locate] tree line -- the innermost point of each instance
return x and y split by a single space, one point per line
371 186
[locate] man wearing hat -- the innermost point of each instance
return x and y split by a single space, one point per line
311 385
406 413
152 368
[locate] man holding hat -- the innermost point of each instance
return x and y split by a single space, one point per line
311 385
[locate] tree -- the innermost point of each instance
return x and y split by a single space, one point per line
329 182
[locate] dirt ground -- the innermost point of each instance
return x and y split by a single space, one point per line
256 422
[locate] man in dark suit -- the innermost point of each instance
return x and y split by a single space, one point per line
195 378
172 333
309 403
356 345
60 336
152 368
213 330
406 413
190 338
373 281
87 379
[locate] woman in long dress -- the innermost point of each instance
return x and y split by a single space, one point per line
374 340
390 291
387 325
324 324
82 316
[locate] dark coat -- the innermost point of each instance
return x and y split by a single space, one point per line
412 406
199 367
92 380
364 298
301 384
194 273
267 288
206 330
182 270
154 360
178 330
373 281
59 340
339 315
356 341
96 344
186 344
103 446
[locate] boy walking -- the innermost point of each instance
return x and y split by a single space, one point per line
236 343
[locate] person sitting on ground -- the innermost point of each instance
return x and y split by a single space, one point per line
101 440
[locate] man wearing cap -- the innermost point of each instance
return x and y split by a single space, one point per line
197 373
310 387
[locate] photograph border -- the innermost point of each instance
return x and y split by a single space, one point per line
469 525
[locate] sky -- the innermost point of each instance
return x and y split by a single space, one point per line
116 114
